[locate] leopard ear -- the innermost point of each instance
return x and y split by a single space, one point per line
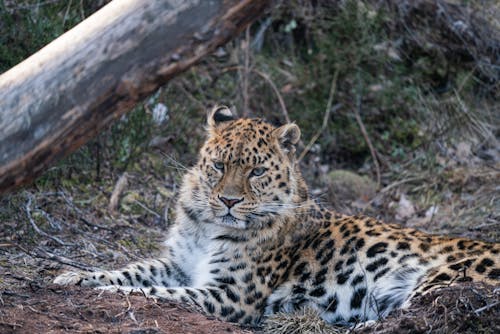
288 136
217 116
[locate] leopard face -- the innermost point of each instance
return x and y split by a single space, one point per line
246 171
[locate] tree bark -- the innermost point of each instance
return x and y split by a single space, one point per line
59 98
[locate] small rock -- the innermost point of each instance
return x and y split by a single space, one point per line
160 113
405 208
463 152
431 212
347 186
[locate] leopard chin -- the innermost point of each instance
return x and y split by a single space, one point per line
229 220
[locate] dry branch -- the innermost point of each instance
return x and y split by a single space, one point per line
56 100
117 191
357 115
35 226
326 117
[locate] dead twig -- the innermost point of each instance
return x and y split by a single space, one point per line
82 218
19 277
13 294
478 126
168 205
489 223
154 213
53 222
35 227
357 115
328 110
115 196
273 87
43 254
35 310
132 316
66 13
116 247
95 226
486 307
63 260
82 11
246 69
179 84
129 306
13 325
400 182
277 92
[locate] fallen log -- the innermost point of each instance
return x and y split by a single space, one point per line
59 98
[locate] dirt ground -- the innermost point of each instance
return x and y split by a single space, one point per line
45 233
462 309
53 309
111 222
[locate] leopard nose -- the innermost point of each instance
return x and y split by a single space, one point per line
230 202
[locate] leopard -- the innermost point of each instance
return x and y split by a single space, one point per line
249 241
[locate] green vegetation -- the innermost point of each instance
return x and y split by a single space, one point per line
28 25
394 92
416 96
425 91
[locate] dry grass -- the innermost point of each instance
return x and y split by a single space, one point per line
306 321
465 309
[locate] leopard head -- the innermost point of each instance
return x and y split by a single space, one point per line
247 172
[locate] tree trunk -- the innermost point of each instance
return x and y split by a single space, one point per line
56 100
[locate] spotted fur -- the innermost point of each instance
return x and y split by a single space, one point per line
248 241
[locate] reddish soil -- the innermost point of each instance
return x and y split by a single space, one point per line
55 309
464 309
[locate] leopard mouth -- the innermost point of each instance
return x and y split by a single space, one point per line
231 221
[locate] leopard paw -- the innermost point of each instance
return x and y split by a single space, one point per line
70 278
128 290
77 278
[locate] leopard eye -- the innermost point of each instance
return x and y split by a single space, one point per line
219 165
258 171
